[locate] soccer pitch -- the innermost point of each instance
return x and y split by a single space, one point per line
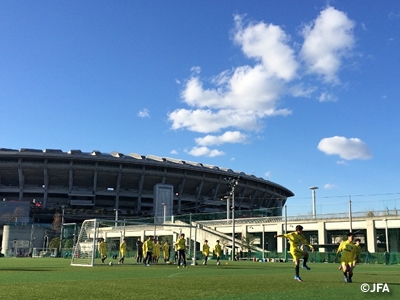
54 278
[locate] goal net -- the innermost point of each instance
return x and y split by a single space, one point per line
85 251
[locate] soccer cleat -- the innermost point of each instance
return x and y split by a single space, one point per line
298 278
147 265
345 279
306 267
178 267
349 280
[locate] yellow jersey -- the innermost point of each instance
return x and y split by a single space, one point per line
358 252
296 240
166 249
156 249
122 248
181 244
218 249
103 248
206 249
148 246
348 250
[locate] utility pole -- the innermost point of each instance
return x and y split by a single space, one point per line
232 183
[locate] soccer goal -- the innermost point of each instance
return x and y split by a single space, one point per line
85 252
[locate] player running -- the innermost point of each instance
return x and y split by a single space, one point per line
348 250
296 240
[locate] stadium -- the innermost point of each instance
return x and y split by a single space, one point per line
85 184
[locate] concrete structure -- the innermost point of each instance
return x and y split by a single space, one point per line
130 184
323 230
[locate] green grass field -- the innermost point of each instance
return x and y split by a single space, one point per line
54 278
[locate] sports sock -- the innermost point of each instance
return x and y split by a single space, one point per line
305 260
297 268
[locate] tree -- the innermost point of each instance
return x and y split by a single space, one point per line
55 243
248 242
56 225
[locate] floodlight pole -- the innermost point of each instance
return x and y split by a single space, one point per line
232 183
62 227
116 216
314 210
164 212
386 235
350 215
285 233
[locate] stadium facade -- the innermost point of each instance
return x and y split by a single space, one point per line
129 184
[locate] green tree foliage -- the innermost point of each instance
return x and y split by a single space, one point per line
56 225
55 243
248 242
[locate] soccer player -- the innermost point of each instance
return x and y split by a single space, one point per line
139 246
148 249
181 246
156 252
122 250
218 251
358 253
296 240
103 250
206 251
166 251
348 250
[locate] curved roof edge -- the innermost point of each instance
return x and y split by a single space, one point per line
132 157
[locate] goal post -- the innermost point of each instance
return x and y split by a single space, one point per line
85 251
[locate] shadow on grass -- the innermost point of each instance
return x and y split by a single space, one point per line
25 270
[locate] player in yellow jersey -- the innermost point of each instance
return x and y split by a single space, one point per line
206 251
122 250
358 253
218 252
348 250
148 246
181 246
166 251
156 252
103 250
296 240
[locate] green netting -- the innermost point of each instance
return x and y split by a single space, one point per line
328 257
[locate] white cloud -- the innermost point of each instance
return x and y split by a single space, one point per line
327 40
144 113
240 99
204 151
348 149
267 43
227 137
174 152
329 186
326 97
267 174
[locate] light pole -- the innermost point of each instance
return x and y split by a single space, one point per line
164 212
116 216
232 183
62 227
386 235
314 212
350 216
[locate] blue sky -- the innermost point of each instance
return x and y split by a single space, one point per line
303 93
